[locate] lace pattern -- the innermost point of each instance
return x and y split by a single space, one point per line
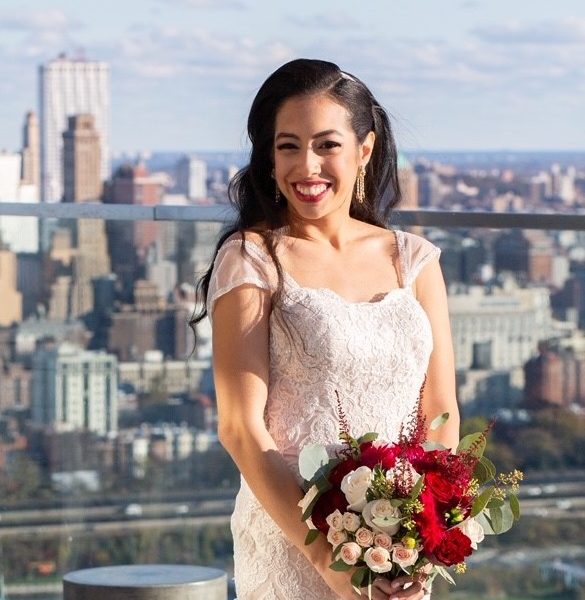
373 354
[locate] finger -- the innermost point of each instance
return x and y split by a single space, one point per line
407 589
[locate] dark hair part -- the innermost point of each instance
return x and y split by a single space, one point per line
252 190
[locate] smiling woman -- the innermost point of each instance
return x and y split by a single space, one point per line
304 320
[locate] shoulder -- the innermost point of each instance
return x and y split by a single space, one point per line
415 253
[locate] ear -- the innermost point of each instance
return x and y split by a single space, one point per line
366 148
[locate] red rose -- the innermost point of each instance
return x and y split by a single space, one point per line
429 522
379 454
326 504
338 472
453 548
441 488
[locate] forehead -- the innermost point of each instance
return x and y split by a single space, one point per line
312 113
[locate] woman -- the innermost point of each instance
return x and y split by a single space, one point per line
312 298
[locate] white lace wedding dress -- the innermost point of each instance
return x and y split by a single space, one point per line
373 354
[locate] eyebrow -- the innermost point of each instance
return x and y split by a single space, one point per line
283 134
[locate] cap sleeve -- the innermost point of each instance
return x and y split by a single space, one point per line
235 265
415 253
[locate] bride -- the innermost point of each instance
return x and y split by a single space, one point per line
311 298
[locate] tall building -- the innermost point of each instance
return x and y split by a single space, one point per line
75 389
81 160
83 183
31 165
192 178
10 297
69 87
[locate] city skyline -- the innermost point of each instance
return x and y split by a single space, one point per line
466 75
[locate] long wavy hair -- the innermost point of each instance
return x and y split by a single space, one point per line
251 192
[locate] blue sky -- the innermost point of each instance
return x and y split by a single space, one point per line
455 74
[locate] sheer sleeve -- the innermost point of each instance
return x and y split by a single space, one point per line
415 253
235 265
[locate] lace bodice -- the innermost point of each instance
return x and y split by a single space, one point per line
374 355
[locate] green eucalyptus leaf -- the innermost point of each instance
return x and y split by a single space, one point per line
311 458
476 440
358 577
386 522
444 574
506 517
429 445
485 470
485 522
367 437
438 421
311 536
339 565
417 488
514 506
481 501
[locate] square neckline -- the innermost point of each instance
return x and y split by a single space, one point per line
380 296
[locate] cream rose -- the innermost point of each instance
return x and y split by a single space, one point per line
350 553
383 540
386 516
355 485
378 559
336 537
364 537
473 530
335 520
351 521
404 557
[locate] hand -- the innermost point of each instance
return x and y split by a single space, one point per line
400 587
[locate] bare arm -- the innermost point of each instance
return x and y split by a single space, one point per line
440 391
241 363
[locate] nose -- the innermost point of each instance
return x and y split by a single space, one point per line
309 162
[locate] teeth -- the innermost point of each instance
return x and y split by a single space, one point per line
311 190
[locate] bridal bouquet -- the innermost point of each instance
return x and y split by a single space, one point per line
410 507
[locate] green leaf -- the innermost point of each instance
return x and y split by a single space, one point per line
430 445
311 458
514 506
482 519
368 437
311 536
444 574
438 421
501 518
476 440
339 565
358 577
481 501
417 488
495 503
485 470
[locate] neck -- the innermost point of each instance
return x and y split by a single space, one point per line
334 230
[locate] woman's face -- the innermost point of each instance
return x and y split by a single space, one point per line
317 156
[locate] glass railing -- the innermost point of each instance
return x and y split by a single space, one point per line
108 446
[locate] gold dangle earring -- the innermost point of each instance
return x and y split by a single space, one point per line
360 185
276 190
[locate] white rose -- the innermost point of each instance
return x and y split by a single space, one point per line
383 540
378 559
364 537
336 537
385 514
355 485
350 553
473 530
305 502
335 520
404 557
351 521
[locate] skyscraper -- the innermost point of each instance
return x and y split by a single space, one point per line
11 303
82 180
30 173
69 87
